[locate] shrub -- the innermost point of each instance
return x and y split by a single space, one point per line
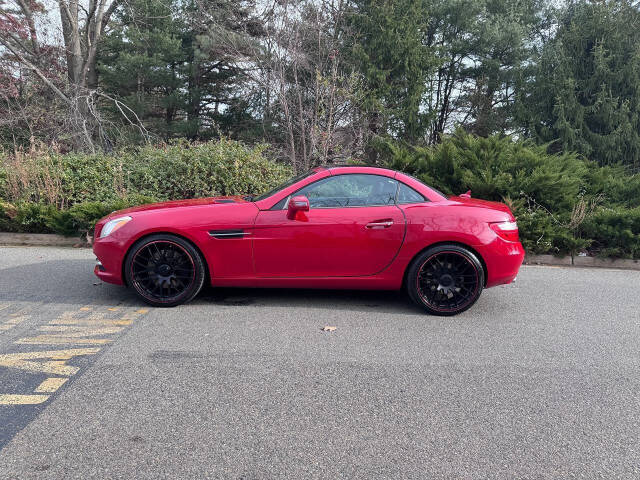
494 168
49 192
180 170
542 189
615 232
42 218
43 191
8 214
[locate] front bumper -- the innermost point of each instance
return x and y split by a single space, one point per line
110 255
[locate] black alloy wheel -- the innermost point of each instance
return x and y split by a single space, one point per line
165 270
445 280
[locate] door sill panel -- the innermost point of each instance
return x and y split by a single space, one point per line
375 282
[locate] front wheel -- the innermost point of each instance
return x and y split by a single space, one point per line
445 280
164 270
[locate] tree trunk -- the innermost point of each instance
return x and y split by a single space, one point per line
82 29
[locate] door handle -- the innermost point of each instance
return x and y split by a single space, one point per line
379 224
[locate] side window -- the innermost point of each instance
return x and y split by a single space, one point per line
407 194
351 190
282 204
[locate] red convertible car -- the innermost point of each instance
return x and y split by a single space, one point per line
347 227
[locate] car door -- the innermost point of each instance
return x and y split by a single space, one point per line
353 228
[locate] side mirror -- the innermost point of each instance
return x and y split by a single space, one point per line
299 203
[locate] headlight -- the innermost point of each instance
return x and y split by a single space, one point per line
113 225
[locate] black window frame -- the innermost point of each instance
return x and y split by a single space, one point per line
283 203
282 186
424 199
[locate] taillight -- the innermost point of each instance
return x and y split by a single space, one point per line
506 230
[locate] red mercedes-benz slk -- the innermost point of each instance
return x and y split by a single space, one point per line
349 227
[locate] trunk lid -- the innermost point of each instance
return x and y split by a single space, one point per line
476 202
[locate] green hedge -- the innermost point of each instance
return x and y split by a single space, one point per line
542 189
615 232
41 218
50 192
181 170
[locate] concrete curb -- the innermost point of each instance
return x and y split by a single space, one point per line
40 240
593 262
52 240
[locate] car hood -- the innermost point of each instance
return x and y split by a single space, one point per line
195 202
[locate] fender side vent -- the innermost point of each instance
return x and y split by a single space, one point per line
228 234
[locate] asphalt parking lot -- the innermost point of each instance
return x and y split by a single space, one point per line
540 379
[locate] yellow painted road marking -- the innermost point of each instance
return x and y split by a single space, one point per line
85 321
55 366
72 316
51 384
80 330
66 329
15 319
62 340
22 399
93 316
76 334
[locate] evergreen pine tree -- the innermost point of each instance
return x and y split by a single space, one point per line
585 96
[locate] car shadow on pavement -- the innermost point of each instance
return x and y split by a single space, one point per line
349 300
72 281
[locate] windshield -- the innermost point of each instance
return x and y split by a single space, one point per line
286 184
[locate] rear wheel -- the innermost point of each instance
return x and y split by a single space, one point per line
445 280
164 270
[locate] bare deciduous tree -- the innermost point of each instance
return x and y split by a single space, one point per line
295 62
69 70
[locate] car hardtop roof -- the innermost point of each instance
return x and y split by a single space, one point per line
329 166
352 166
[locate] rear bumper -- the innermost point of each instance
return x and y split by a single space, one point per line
503 260
110 254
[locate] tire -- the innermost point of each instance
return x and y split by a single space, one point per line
445 280
164 270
